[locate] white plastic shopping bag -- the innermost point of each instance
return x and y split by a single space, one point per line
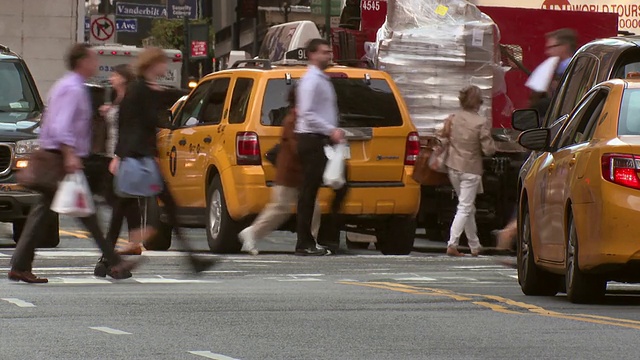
333 175
73 197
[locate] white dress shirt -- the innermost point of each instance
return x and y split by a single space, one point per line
317 106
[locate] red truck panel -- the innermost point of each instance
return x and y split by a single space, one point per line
523 27
531 39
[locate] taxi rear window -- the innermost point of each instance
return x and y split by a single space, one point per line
629 121
360 103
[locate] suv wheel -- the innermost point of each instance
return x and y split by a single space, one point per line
581 288
222 230
533 280
162 240
397 237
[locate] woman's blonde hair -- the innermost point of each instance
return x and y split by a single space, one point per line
470 98
148 58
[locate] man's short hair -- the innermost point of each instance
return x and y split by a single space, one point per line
76 53
314 45
565 36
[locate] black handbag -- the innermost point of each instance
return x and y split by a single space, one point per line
272 154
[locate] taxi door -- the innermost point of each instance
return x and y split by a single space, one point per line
179 159
572 154
203 140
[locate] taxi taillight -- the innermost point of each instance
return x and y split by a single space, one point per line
248 148
412 148
621 169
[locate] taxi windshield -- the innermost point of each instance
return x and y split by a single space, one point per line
16 94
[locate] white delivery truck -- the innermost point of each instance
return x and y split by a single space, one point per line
111 55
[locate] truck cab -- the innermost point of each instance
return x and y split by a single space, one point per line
21 109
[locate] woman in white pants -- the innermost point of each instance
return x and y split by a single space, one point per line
469 137
284 195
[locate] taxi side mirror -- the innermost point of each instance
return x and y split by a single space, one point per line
525 119
535 139
167 121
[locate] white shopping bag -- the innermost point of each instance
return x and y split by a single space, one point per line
333 175
540 78
73 197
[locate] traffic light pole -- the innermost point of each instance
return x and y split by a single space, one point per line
327 20
236 26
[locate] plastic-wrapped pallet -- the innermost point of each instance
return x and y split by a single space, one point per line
433 49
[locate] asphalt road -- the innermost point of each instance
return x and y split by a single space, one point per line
278 306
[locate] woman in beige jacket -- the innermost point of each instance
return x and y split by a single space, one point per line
469 138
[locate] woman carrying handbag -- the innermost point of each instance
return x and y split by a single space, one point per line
136 151
469 139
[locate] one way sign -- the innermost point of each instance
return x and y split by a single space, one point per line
127 25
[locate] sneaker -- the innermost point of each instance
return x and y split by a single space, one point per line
248 243
314 251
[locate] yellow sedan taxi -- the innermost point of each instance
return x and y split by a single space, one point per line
581 198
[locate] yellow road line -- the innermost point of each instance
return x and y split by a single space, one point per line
530 308
74 234
496 307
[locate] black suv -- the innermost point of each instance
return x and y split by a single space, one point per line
20 112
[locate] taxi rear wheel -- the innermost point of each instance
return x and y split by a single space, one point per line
397 237
533 280
160 241
222 230
581 288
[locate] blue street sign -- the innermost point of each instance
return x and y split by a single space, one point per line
127 25
141 10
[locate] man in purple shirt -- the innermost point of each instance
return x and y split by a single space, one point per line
66 132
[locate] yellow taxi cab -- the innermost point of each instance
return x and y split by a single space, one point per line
212 153
580 199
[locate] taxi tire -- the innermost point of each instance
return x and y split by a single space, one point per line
227 240
533 280
581 288
397 237
162 240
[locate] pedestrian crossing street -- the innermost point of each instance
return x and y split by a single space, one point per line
71 266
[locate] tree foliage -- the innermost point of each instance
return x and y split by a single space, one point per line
169 33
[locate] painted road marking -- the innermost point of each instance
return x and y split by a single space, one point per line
77 281
424 278
18 302
161 280
73 234
210 355
517 307
109 330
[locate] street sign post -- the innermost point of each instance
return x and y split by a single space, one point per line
102 29
199 41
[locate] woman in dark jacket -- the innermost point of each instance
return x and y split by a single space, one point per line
137 139
284 196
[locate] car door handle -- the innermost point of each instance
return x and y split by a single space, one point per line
207 139
572 161
182 142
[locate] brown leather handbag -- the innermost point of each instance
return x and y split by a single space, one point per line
422 172
43 173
